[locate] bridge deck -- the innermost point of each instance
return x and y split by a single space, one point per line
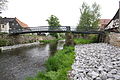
51 29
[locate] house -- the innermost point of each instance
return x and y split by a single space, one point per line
9 24
103 23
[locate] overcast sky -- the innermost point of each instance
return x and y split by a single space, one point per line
35 12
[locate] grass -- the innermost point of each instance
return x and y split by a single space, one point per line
2 33
48 41
92 39
82 41
57 66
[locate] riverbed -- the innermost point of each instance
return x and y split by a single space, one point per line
24 62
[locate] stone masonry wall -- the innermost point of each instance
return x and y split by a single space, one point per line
114 38
20 39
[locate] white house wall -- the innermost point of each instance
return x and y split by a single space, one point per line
5 28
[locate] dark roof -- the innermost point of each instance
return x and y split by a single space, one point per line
5 20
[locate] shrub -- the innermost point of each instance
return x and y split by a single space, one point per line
4 42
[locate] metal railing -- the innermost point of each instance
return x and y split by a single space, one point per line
48 29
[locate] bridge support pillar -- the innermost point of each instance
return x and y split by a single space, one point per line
101 37
69 39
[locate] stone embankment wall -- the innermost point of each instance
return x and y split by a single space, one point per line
21 39
113 38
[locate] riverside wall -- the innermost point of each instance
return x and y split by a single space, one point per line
22 39
113 38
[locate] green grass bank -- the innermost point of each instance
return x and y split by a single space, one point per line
57 66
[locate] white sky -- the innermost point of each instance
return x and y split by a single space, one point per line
35 12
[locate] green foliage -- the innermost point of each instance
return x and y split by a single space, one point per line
48 41
4 42
94 38
61 59
57 65
82 41
89 17
53 21
2 33
54 24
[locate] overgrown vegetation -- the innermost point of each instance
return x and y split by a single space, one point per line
82 41
4 42
91 38
57 66
49 41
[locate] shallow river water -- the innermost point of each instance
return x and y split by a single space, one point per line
20 63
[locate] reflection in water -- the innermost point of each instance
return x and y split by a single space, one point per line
20 63
53 47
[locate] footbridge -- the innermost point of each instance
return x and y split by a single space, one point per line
53 29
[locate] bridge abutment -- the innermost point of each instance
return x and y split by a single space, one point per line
69 39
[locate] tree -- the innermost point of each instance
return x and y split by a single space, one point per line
54 24
89 17
3 4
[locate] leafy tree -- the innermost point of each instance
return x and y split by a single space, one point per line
3 4
89 17
54 24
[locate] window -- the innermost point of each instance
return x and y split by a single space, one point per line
2 26
12 23
17 24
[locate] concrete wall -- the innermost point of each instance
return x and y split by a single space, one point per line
4 28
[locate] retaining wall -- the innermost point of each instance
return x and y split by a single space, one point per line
21 39
113 38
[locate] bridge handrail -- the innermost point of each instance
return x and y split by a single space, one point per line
47 28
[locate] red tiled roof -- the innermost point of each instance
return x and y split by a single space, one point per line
21 23
104 21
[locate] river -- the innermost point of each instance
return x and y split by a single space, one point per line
20 63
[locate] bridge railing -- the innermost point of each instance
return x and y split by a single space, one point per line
49 29
37 29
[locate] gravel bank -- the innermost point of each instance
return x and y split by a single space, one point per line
96 62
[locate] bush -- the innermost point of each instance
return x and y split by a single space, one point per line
4 42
